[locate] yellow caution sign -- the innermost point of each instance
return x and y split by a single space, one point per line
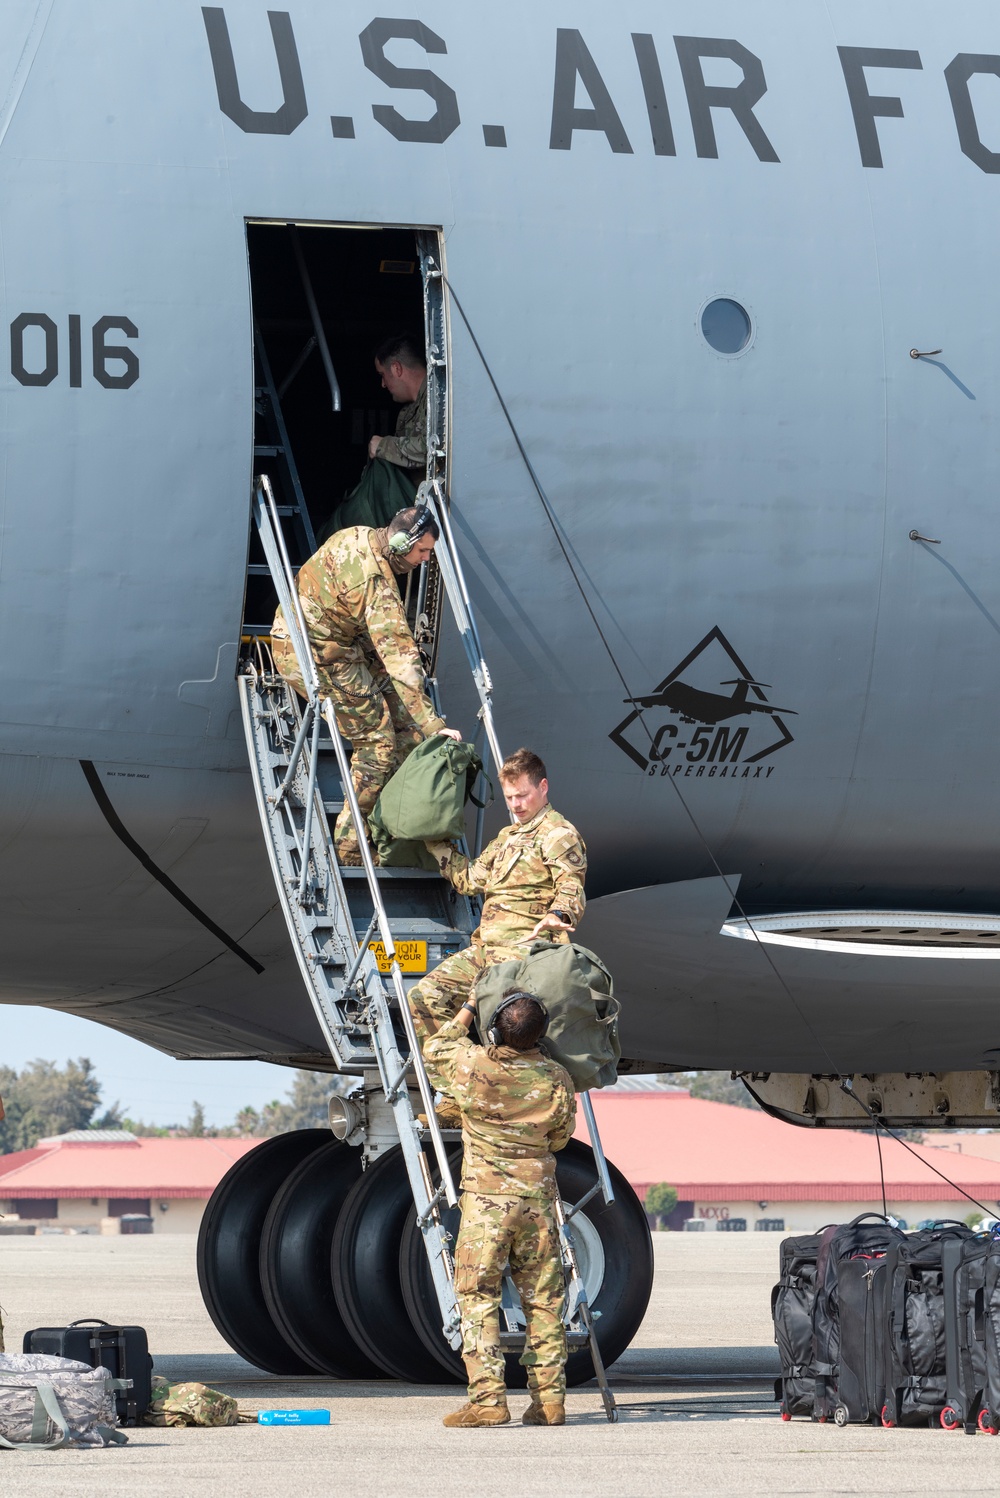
411 956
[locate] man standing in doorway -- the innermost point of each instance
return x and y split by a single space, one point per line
531 879
400 363
517 1106
366 659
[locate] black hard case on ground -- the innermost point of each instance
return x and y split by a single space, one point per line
123 1350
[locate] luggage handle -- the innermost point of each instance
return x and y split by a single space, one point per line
91 1321
493 795
46 1408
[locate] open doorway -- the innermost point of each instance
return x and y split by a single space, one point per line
324 299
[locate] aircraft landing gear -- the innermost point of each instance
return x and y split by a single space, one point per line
307 1265
229 1247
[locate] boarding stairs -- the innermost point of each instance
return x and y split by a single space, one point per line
355 931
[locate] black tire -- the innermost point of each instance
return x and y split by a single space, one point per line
295 1262
229 1250
365 1268
624 1290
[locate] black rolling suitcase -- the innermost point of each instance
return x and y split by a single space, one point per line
792 1302
923 1345
850 1320
989 1414
965 1345
123 1350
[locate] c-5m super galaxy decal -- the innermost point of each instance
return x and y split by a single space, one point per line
576 69
719 746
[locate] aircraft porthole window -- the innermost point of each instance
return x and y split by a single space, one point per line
725 325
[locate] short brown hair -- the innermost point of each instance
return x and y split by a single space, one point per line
404 520
523 762
520 1025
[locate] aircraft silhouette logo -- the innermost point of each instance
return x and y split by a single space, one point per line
708 718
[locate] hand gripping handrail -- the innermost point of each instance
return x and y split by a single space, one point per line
273 541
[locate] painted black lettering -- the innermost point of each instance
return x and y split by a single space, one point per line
699 745
657 750
445 118
727 744
740 99
867 107
256 121
573 61
75 352
18 369
107 352
654 93
957 74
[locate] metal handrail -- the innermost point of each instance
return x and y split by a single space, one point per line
458 596
291 606
319 332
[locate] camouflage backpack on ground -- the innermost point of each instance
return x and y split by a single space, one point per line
189 1404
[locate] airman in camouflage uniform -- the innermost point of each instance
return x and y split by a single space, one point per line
366 660
189 1404
531 876
517 1107
400 364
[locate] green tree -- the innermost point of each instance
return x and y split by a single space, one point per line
305 1107
195 1128
719 1087
44 1099
660 1202
144 1130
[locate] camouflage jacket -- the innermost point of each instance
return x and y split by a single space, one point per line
529 869
517 1107
350 599
408 448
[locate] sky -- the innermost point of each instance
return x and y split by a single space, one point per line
148 1085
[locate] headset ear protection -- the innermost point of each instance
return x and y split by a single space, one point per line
493 1034
403 542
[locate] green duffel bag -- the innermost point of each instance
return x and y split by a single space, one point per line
397 852
578 991
381 492
425 799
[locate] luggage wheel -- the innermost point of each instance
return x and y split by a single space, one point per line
949 1418
841 1415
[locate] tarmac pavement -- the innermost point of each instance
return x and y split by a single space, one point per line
697 1413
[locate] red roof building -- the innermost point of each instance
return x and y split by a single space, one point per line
76 1180
738 1163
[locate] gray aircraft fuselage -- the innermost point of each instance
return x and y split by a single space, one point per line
599 179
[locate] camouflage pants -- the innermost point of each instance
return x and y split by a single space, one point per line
371 715
437 998
521 1231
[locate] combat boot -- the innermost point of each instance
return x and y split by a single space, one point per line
472 1415
544 1414
448 1113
